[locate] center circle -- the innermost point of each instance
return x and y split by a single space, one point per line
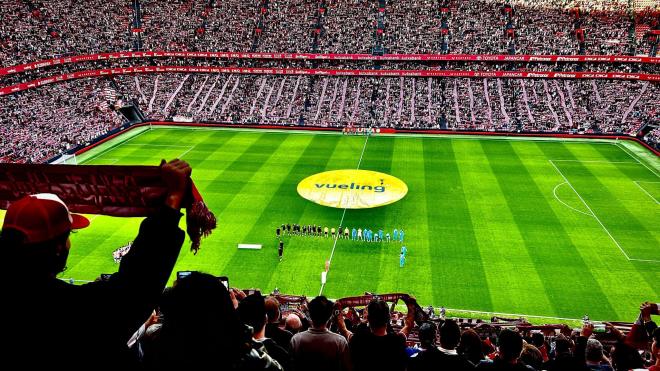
352 189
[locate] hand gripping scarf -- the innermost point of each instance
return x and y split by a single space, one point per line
123 191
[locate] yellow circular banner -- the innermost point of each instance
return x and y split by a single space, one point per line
352 189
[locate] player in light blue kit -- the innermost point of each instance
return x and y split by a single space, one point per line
380 235
401 236
395 235
354 234
404 250
402 260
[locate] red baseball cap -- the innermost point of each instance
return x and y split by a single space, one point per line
42 217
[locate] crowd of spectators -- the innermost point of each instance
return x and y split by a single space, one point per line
349 27
405 34
39 124
653 137
477 27
223 98
544 28
591 106
200 322
198 314
607 29
170 25
67 68
32 30
289 26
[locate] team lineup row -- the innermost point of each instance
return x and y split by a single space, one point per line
356 234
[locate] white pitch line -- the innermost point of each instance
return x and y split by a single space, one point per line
114 146
186 152
511 314
341 222
598 162
136 135
637 159
591 211
645 191
645 260
554 192
114 161
457 136
158 145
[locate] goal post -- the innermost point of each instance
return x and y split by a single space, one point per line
66 160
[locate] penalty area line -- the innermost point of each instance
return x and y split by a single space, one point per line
645 191
112 146
636 158
592 212
341 222
554 192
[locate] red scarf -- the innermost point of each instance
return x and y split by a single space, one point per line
123 191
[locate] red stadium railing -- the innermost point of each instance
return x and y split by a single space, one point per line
326 72
350 57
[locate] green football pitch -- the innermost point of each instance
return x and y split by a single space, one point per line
557 228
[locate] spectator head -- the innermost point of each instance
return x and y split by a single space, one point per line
531 356
199 323
625 357
378 314
471 346
252 311
594 351
320 311
450 334
538 340
510 345
36 233
427 334
272 309
563 345
293 324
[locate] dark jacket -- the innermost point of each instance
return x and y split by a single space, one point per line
281 337
564 362
434 359
50 323
498 365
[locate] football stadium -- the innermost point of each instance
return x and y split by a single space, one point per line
331 184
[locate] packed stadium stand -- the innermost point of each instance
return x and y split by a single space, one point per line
42 120
33 31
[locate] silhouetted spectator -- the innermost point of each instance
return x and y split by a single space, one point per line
596 359
564 359
471 347
318 348
378 349
252 311
58 325
510 345
201 330
273 330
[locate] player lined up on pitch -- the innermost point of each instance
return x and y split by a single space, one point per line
351 129
355 234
